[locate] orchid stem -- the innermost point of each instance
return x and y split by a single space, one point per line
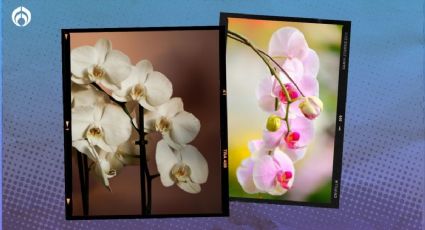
143 167
145 176
84 181
286 119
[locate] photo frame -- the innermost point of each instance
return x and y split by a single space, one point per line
287 147
97 66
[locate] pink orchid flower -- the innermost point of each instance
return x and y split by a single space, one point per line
269 90
265 171
273 173
294 143
245 170
290 49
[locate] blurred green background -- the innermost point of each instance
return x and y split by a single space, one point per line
246 120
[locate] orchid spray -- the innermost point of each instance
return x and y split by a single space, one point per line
290 95
115 104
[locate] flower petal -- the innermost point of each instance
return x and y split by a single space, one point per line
158 89
309 86
184 127
119 95
173 144
305 127
84 147
285 164
288 42
102 144
102 46
295 154
257 148
138 75
189 187
82 58
129 152
143 69
294 68
255 145
165 160
146 105
86 95
265 87
79 80
116 125
267 103
102 171
115 162
264 93
149 119
171 107
197 163
244 176
264 173
117 66
311 63
123 92
82 117
273 139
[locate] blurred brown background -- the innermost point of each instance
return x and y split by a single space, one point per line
190 59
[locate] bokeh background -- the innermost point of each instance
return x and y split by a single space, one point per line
190 60
246 120
384 124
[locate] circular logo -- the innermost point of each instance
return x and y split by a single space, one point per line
21 16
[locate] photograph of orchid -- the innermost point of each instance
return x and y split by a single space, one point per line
115 107
282 148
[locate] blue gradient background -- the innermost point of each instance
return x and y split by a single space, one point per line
383 161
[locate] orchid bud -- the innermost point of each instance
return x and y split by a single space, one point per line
273 123
311 107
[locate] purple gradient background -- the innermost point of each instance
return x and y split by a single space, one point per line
383 162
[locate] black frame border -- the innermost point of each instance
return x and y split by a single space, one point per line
341 104
66 89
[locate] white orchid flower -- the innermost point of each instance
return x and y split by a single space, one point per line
150 88
100 64
177 126
185 167
86 95
101 160
127 153
107 164
103 125
103 168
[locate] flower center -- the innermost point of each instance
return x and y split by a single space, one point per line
283 177
162 125
98 72
180 172
292 138
292 92
137 92
94 132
